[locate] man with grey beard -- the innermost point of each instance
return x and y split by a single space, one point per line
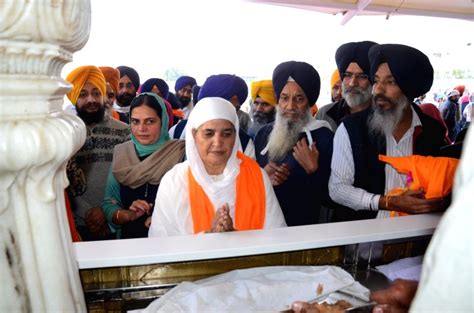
354 69
296 150
393 126
263 105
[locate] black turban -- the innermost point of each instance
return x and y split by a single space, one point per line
357 52
130 73
410 67
304 74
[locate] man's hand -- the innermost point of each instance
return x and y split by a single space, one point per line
306 156
414 202
395 299
97 223
303 307
278 173
140 207
222 221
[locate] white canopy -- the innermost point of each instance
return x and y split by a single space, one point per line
460 9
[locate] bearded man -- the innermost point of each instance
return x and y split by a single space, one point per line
263 105
184 91
336 86
87 171
128 86
354 69
296 150
393 126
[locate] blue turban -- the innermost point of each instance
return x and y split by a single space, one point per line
410 67
357 52
184 81
158 82
224 86
196 89
131 73
304 74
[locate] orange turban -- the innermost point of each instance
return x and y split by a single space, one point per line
335 77
112 76
80 76
263 89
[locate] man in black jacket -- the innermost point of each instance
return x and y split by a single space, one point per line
393 126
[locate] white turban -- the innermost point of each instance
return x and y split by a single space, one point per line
222 189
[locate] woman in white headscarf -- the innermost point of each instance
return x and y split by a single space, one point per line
218 188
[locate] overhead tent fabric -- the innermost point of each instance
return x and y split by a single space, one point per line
460 9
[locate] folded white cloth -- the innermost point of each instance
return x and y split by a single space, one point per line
408 268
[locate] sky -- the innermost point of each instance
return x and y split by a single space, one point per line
205 37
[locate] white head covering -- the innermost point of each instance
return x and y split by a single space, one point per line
220 189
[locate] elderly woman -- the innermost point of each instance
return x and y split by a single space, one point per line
138 166
218 188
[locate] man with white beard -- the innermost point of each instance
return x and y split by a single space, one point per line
393 126
354 69
296 150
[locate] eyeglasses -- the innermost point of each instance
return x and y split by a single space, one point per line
358 76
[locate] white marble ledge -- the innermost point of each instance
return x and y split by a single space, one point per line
144 251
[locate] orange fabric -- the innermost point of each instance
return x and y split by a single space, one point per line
72 226
434 174
249 203
335 77
178 113
314 109
115 115
112 76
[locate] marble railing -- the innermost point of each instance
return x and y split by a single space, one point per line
122 275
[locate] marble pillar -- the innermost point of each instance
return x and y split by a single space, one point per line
38 272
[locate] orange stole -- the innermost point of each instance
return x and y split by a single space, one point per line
249 201
434 174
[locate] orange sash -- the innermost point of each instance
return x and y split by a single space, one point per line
249 201
70 218
178 113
